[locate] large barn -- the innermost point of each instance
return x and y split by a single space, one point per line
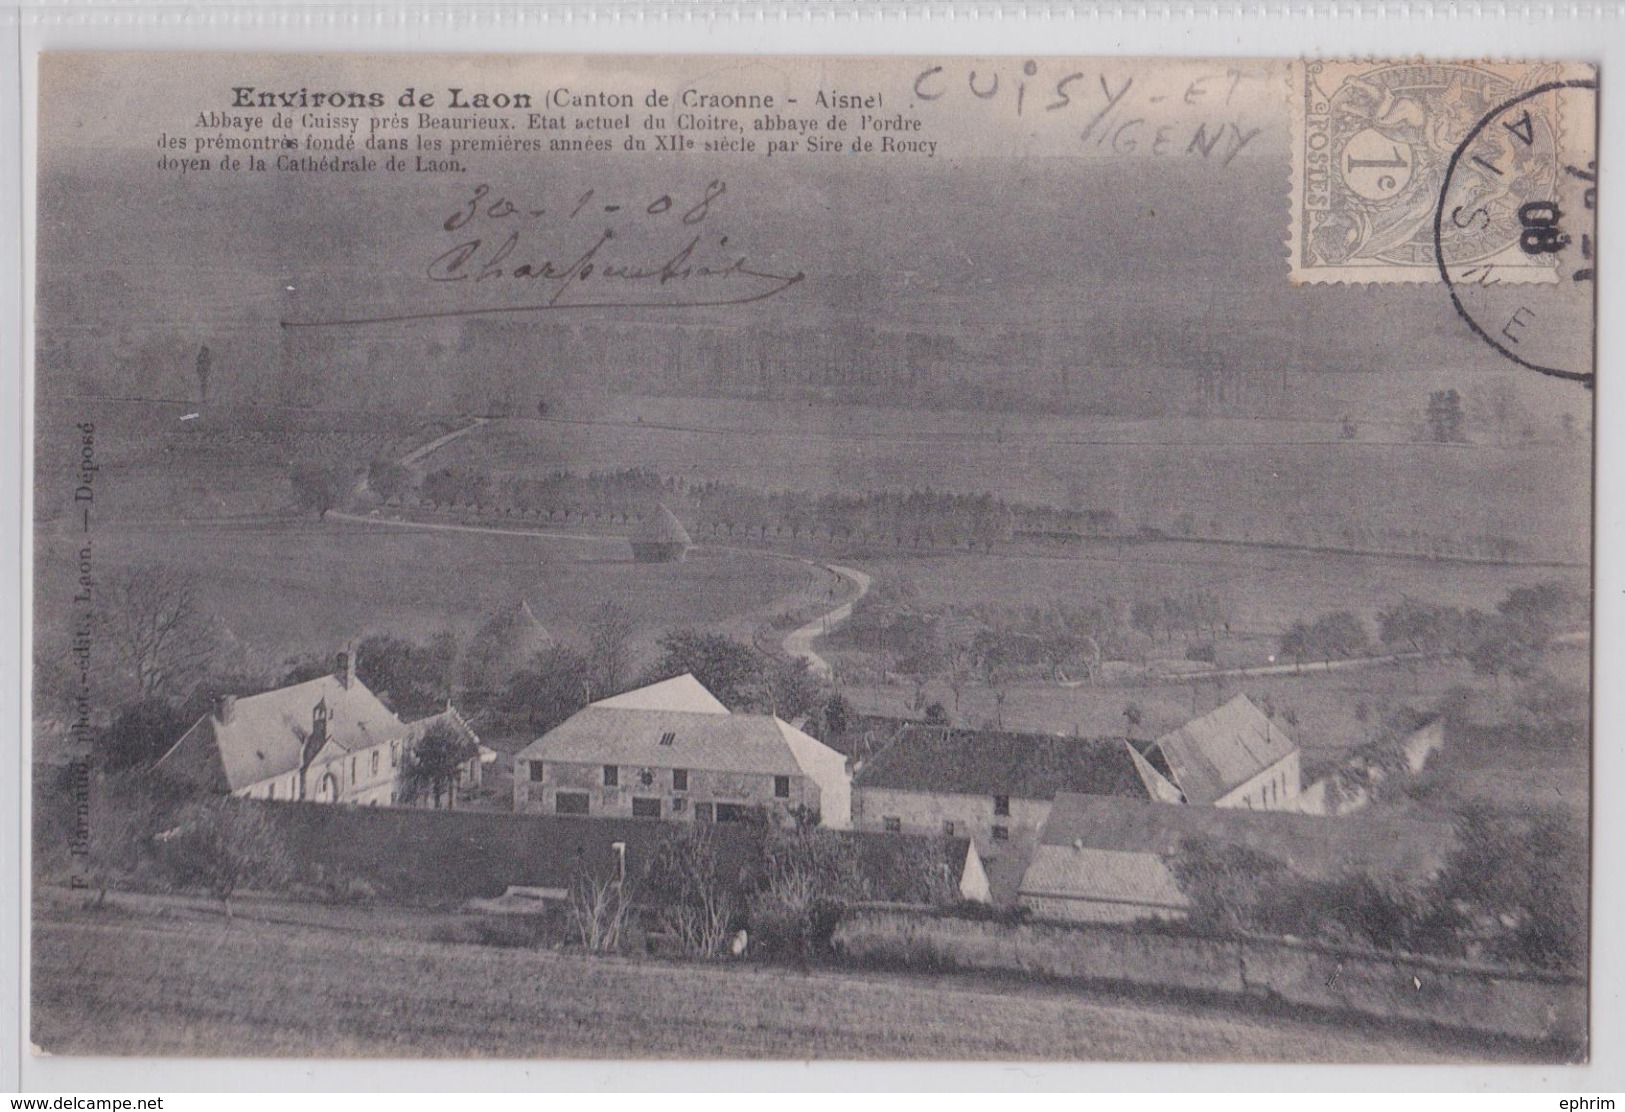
673 751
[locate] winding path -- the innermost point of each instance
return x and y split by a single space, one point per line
798 642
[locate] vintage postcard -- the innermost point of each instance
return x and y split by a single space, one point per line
1023 558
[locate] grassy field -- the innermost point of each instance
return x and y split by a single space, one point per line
297 587
135 982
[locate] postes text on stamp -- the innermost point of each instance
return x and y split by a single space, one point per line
1372 143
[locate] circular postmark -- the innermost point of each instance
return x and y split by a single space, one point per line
1514 231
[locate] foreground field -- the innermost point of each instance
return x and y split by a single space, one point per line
130 982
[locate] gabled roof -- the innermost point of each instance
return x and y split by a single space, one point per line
267 731
749 743
661 527
680 693
985 762
1103 875
1310 845
1218 752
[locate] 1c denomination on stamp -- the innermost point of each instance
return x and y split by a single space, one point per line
1372 144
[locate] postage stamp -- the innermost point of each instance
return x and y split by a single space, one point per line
1372 146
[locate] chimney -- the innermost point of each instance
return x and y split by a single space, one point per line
345 670
224 707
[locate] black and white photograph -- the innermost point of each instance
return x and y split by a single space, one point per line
823 558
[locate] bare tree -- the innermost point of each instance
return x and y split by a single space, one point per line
157 630
609 647
599 910
224 845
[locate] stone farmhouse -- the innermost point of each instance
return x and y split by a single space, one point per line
327 740
1233 756
673 751
993 787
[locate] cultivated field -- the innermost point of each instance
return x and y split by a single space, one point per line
1264 478
128 981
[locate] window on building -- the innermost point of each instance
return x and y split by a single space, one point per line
731 812
570 803
679 805
704 812
668 738
781 787
612 776
679 779
375 762
538 771
948 828
1001 805
645 808
1001 833
394 754
893 824
352 770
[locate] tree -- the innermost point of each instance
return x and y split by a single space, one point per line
1298 642
1522 880
839 716
414 679
731 670
433 764
140 734
321 486
158 632
610 630
1339 635
1541 609
224 844
554 685
388 479
205 363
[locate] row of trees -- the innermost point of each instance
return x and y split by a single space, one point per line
1506 641
961 644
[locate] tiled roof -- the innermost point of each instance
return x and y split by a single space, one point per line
266 732
1104 875
1310 845
749 743
1211 755
682 693
986 762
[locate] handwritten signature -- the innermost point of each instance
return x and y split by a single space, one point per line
700 270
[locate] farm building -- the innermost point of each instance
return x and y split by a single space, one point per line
327 740
660 538
673 751
1113 860
992 787
1233 756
